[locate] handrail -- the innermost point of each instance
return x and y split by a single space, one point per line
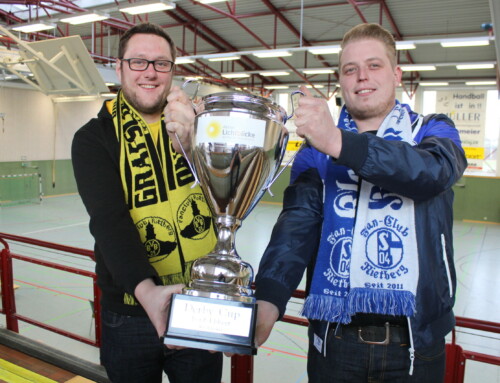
242 366
7 285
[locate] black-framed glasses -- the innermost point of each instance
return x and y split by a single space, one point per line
143 64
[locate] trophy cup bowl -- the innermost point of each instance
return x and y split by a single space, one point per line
237 149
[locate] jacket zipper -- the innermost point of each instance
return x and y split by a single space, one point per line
446 264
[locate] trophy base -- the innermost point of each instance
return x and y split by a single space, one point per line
212 324
219 290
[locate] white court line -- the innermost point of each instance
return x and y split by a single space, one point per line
56 228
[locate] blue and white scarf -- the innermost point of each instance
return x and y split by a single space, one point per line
368 259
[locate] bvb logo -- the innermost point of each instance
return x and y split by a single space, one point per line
193 217
214 129
158 237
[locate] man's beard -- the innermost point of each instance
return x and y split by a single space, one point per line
146 109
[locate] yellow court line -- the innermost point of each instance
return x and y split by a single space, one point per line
12 373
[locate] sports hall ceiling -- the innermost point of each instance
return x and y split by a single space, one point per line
202 31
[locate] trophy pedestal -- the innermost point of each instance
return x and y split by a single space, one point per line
212 324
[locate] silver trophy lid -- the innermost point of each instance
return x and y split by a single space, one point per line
244 102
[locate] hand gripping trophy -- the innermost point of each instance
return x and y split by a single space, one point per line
237 149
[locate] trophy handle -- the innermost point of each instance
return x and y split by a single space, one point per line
191 167
287 117
195 91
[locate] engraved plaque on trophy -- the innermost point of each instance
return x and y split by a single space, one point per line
237 149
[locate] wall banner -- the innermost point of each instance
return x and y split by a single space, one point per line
468 110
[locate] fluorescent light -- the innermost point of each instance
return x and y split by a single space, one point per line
318 71
235 75
210 1
315 86
108 95
416 68
276 87
466 42
274 73
75 98
193 78
480 83
88 17
475 66
400 45
147 7
431 83
272 53
325 50
183 60
227 57
33 27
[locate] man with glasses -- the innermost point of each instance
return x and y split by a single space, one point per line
137 190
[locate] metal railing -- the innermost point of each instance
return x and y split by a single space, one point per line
12 317
241 366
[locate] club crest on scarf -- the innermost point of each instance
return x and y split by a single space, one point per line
194 217
368 261
158 237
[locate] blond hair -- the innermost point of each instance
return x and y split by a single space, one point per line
371 31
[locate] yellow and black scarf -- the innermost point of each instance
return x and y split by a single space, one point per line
174 221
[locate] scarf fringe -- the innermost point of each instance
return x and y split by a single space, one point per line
327 308
379 301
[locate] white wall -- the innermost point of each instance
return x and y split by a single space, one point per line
28 131
34 128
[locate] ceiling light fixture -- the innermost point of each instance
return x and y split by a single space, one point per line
318 71
88 17
272 53
404 45
235 75
226 57
475 66
210 1
315 86
480 83
276 87
183 60
417 68
34 27
274 73
147 7
325 50
108 95
466 42
431 83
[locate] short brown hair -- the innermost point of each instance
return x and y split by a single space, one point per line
371 31
145 28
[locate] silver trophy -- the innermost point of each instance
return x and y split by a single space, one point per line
239 143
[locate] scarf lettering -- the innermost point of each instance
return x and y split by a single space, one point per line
368 257
174 221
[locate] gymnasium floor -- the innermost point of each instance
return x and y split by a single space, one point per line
63 300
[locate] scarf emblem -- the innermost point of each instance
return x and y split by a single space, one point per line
368 258
173 220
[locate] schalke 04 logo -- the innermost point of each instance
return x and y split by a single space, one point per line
384 248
